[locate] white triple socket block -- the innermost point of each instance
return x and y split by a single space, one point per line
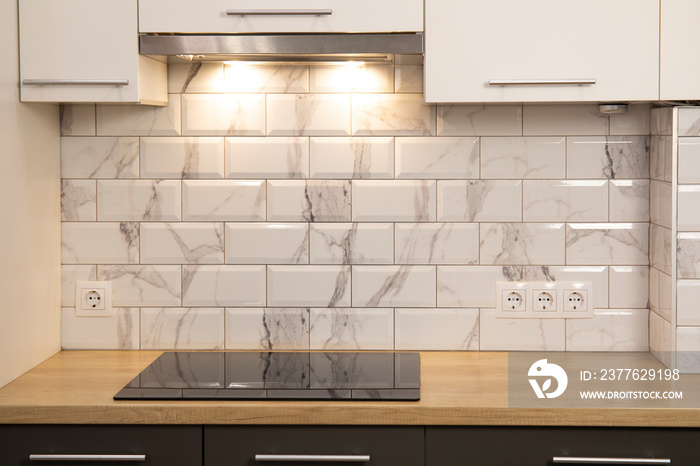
544 300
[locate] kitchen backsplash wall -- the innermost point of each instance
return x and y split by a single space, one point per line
327 207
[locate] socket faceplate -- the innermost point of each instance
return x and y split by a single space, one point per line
93 298
545 300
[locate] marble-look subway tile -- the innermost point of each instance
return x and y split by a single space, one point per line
308 115
196 77
78 201
688 255
381 286
138 200
187 328
267 329
248 77
143 285
629 200
352 243
392 115
223 114
99 243
106 157
518 157
660 338
522 243
352 77
472 286
688 349
69 275
267 243
565 201
665 296
437 158
223 285
395 200
688 295
660 247
637 121
597 275
223 200
564 120
77 120
660 157
520 334
661 121
689 122
182 243
612 157
354 158
607 243
629 287
120 331
308 285
479 201
308 201
609 330
654 289
352 329
688 211
170 157
437 329
267 157
437 243
408 79
480 120
689 160
139 120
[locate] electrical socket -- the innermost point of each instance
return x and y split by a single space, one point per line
544 300
576 300
93 298
511 297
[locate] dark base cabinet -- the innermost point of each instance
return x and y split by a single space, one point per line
385 446
161 445
538 446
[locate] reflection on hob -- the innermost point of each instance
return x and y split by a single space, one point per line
278 375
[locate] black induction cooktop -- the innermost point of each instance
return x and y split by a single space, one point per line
278 376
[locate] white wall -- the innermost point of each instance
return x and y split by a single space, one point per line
29 218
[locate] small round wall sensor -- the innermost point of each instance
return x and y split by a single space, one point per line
612 109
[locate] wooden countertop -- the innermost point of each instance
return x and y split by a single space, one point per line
465 388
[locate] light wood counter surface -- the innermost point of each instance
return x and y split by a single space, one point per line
467 388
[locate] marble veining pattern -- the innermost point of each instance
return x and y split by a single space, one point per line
143 285
309 201
521 243
105 157
190 328
267 329
78 201
611 157
344 328
439 243
612 243
185 158
182 243
354 158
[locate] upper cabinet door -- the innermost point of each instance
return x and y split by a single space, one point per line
473 45
680 36
254 16
86 51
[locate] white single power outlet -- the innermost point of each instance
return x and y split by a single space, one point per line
93 298
511 297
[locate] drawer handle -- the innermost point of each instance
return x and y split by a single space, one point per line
279 12
102 82
585 460
329 458
518 82
87 457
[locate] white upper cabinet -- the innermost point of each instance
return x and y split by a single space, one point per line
598 50
86 51
254 16
680 37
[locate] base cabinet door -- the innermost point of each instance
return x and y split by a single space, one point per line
25 445
547 446
319 445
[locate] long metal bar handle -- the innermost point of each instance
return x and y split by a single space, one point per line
595 460
87 458
102 82
519 82
309 458
323 12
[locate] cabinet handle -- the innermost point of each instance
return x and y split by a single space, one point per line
585 460
516 82
279 12
87 457
103 82
329 458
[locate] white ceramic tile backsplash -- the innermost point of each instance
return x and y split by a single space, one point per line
312 206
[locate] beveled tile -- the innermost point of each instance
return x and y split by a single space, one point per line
182 243
518 157
437 243
69 275
352 77
660 203
629 287
267 157
195 77
565 200
392 115
223 200
637 121
308 115
139 120
629 200
78 201
665 296
223 285
308 285
480 120
308 201
609 330
267 243
138 200
564 120
394 200
612 157
437 158
688 255
143 285
404 286
520 334
522 243
437 329
352 243
267 329
77 119
99 243
660 157
689 122
597 275
245 77
689 160
355 158
409 79
660 337
688 296
660 247
352 329
479 200
688 212
169 157
120 331
607 243
223 114
187 328
654 289
661 121
472 286
105 157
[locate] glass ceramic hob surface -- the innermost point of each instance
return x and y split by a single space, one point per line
278 376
